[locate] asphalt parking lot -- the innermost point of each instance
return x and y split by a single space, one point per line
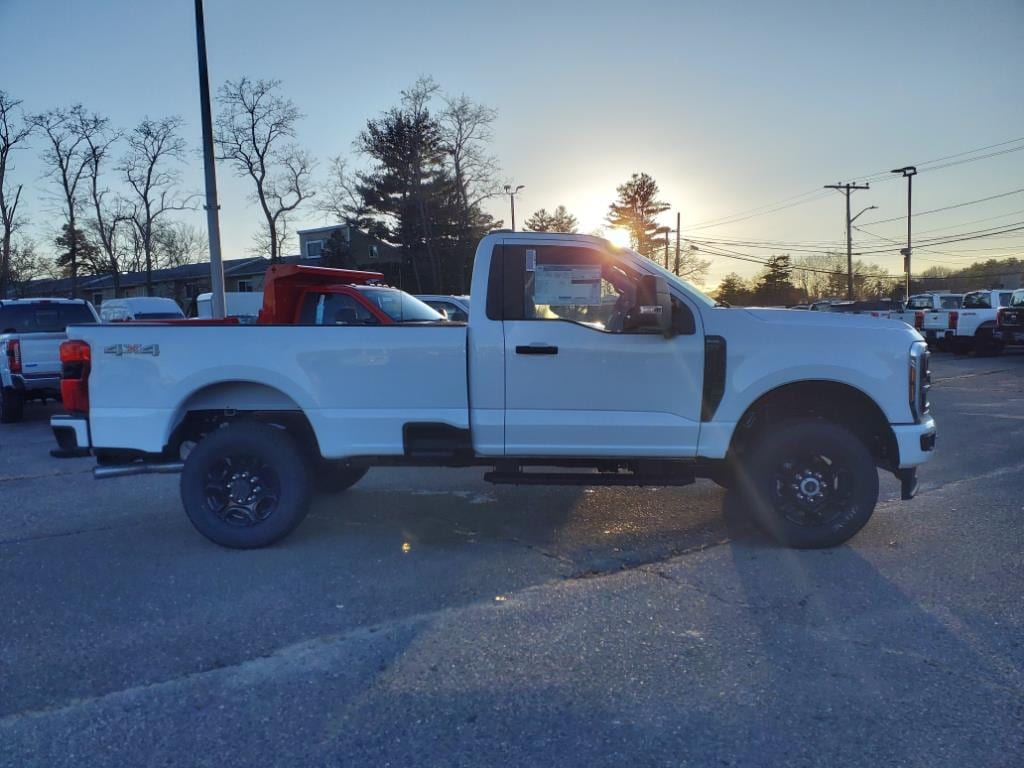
428 618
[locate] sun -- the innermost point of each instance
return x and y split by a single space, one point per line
617 237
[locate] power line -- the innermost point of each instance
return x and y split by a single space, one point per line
948 207
815 194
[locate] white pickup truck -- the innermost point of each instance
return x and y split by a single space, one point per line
31 331
927 312
581 363
974 324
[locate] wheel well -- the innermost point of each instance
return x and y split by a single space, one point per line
826 400
223 403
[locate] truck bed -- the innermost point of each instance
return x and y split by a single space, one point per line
358 386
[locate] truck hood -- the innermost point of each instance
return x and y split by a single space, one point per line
808 319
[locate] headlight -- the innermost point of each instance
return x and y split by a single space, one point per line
919 380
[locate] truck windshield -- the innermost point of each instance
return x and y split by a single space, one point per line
1017 299
951 302
400 306
42 318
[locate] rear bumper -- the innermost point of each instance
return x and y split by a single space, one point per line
32 383
916 442
1012 335
72 436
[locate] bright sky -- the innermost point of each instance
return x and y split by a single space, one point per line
729 105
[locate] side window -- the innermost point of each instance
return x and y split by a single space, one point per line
334 309
581 285
454 312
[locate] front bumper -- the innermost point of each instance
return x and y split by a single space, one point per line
916 442
72 436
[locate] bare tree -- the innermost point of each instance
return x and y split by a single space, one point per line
466 132
109 214
68 162
13 131
339 200
153 147
27 265
253 132
178 243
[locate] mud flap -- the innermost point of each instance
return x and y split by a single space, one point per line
908 482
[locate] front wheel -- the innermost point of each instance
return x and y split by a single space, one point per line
812 484
245 485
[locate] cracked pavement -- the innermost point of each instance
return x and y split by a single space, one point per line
428 618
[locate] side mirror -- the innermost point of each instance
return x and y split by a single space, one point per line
654 305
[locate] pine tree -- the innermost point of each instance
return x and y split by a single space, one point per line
86 255
775 286
733 290
636 209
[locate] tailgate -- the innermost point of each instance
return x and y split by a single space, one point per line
40 354
936 321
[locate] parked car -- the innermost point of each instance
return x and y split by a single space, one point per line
455 308
139 308
974 324
547 372
31 331
1010 320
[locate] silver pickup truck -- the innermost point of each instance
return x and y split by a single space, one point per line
31 331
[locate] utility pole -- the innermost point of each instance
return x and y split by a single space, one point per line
846 189
512 200
908 172
678 227
212 208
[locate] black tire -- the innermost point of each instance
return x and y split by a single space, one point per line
812 484
245 485
336 476
12 406
985 344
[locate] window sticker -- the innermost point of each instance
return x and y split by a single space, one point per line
531 261
559 285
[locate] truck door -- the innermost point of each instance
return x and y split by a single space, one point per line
582 378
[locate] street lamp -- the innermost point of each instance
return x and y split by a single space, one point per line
512 200
869 208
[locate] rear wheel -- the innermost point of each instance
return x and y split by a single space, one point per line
812 484
12 405
985 344
245 485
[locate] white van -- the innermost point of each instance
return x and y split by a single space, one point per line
139 308
244 305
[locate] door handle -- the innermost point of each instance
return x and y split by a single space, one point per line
536 349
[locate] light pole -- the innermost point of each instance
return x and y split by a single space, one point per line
212 215
512 200
908 172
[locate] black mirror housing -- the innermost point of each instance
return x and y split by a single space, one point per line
654 304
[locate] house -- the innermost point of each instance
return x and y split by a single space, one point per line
364 250
181 283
